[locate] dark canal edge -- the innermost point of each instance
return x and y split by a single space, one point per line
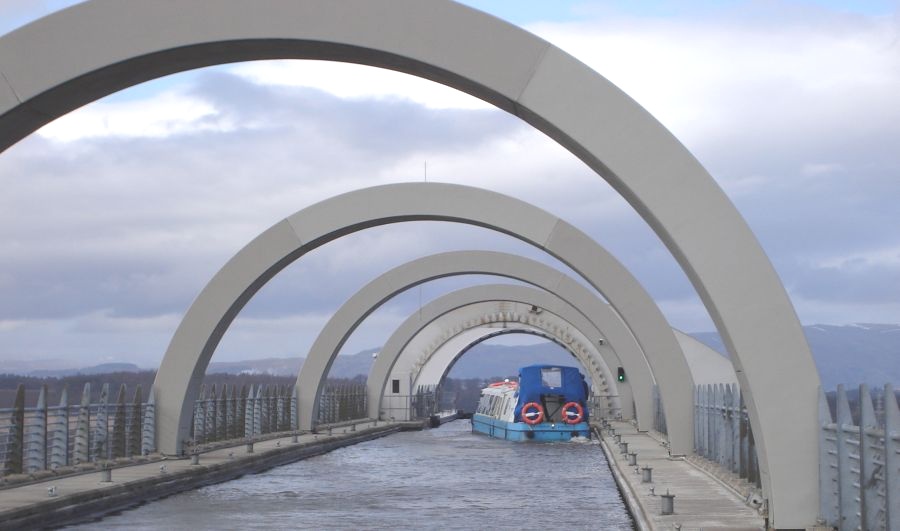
635 509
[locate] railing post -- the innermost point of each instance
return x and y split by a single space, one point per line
83 428
148 442
229 412
891 458
36 436
294 419
222 414
828 464
870 505
200 417
736 428
15 443
264 412
849 518
101 426
59 438
134 423
257 412
118 434
211 419
249 415
241 413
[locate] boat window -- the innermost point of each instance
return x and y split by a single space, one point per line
395 386
551 377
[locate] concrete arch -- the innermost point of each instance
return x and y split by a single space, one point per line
192 346
439 321
558 321
353 312
468 328
98 47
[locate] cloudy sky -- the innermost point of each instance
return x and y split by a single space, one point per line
113 218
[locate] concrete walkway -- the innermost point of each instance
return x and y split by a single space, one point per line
701 501
82 496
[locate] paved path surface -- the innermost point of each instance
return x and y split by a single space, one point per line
701 501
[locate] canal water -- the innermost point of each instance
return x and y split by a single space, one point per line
445 478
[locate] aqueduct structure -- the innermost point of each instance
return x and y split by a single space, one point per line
101 46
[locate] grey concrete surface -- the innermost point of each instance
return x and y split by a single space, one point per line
701 501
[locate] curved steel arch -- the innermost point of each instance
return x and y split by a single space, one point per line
194 342
100 46
577 336
367 299
471 300
560 322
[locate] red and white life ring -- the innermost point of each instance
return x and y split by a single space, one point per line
572 413
532 413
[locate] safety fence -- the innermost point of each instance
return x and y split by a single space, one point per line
232 413
423 403
341 402
722 431
48 437
859 461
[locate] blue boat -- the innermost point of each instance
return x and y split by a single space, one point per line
548 403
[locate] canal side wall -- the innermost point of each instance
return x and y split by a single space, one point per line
94 499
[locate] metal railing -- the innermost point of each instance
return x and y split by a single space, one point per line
341 402
420 405
859 465
53 437
232 413
722 432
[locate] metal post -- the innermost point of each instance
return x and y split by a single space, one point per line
264 411
891 458
200 417
249 416
240 414
83 427
221 411
36 436
118 432
59 439
148 430
849 518
647 474
101 426
15 443
828 464
134 423
294 420
869 450
257 412
211 419
667 503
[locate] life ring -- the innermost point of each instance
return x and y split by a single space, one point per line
572 417
532 417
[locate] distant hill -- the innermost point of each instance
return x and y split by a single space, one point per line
849 354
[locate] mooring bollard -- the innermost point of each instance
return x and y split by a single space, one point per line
249 447
632 458
667 503
51 491
106 474
646 475
618 437
295 438
329 431
353 427
195 459
624 447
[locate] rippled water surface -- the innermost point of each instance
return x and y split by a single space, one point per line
447 478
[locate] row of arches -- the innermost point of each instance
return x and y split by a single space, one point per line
98 47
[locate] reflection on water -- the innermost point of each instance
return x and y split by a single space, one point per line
447 478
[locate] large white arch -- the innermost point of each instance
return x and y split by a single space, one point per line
183 366
87 51
367 299
454 319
